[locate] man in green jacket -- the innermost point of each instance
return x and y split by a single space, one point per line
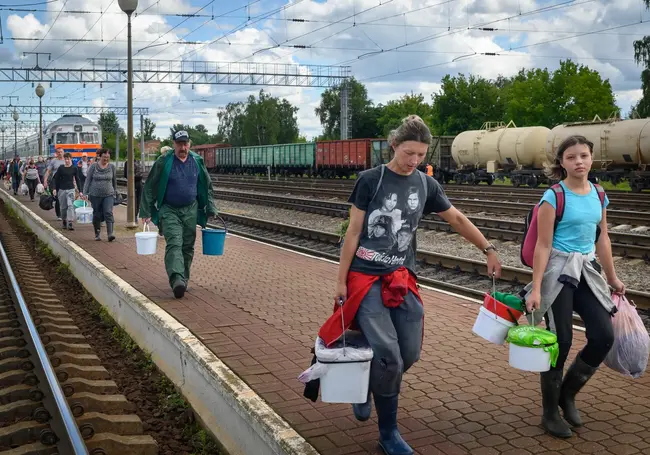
178 195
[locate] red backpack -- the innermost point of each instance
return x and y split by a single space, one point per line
530 223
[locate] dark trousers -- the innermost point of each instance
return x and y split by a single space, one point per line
57 207
31 184
597 321
15 182
102 208
138 195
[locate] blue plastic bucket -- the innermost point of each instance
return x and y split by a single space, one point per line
214 240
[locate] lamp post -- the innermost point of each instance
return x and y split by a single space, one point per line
16 117
3 129
129 6
40 91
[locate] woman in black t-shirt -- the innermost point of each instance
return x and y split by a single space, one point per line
378 263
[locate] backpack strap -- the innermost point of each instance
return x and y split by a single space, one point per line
423 176
601 194
381 177
559 202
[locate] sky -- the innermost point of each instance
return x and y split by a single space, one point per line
393 46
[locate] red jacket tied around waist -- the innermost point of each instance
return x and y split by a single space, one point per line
394 287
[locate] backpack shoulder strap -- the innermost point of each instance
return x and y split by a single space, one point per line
601 194
559 202
381 177
423 177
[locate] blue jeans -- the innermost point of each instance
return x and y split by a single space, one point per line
395 335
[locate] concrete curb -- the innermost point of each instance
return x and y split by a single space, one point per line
238 417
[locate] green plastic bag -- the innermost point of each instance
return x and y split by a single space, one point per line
510 300
533 337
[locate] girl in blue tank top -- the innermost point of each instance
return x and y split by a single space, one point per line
566 278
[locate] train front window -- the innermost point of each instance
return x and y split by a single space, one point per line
88 138
66 138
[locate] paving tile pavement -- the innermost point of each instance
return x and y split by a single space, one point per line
258 308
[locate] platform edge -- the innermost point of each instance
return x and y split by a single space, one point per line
181 356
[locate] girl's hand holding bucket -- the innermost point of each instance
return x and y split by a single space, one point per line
533 302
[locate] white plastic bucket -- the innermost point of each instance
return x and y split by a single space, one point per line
146 241
84 215
491 327
529 359
346 382
347 376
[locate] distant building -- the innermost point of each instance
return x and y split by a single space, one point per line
151 147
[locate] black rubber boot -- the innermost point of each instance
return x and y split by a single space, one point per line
362 410
552 421
179 288
389 438
109 231
98 228
576 377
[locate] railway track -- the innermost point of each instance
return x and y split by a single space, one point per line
348 183
623 244
463 276
55 397
617 202
474 204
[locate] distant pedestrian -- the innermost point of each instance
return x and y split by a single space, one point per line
376 287
101 189
52 167
16 173
83 164
64 187
178 195
137 177
31 178
41 165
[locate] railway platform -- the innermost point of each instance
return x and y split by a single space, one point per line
258 309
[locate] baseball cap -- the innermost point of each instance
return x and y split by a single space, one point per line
181 136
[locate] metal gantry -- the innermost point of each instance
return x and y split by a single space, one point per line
106 70
60 110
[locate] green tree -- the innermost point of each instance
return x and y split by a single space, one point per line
199 134
108 122
642 108
642 57
362 113
149 127
259 121
394 111
465 104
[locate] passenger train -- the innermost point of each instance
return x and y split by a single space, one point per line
73 133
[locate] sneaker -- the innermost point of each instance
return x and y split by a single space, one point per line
179 288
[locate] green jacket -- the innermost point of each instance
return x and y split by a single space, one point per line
156 184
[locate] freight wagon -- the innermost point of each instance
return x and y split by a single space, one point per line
293 159
342 158
209 153
228 161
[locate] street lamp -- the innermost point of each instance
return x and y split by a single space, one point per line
129 6
40 91
16 117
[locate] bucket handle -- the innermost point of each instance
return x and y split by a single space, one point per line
225 228
145 227
342 324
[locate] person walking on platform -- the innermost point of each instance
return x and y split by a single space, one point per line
64 187
83 164
567 278
41 165
178 195
31 178
16 173
101 189
137 177
52 167
376 289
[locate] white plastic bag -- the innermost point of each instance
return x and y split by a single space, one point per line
40 189
24 189
629 353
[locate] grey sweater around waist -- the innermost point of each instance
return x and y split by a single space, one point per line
100 182
567 269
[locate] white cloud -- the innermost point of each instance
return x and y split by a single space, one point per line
431 38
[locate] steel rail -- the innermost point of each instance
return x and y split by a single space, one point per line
70 439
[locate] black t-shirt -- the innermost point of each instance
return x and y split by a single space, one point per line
387 241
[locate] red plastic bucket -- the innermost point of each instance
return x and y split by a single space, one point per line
500 309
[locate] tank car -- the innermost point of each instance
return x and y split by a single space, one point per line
621 148
498 150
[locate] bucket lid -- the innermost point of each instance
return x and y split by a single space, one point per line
511 300
529 336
